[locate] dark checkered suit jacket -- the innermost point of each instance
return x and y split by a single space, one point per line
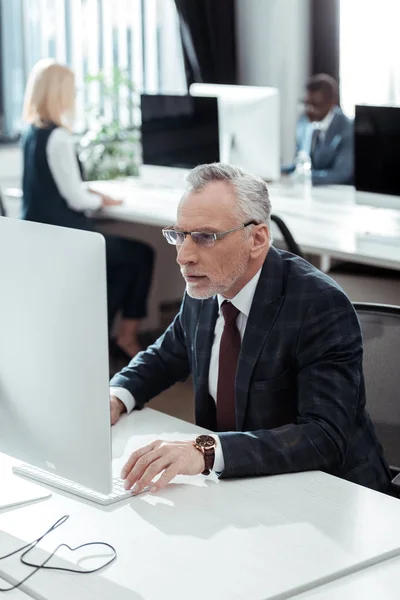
300 397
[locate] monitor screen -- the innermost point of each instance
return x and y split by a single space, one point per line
377 149
179 131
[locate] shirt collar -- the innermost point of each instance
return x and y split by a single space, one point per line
325 123
243 299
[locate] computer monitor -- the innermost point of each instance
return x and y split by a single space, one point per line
249 126
377 149
179 131
54 387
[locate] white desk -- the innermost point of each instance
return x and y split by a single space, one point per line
14 594
380 582
329 222
330 225
255 538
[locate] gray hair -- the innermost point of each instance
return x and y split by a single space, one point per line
251 192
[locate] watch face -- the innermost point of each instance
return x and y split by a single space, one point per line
205 441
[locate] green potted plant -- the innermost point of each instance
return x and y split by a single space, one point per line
110 149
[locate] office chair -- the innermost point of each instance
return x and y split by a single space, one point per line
367 283
290 242
2 208
380 326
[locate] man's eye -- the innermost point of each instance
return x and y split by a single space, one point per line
204 239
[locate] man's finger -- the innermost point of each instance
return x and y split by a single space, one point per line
166 477
140 466
134 457
154 469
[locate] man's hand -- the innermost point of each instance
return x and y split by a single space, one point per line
116 409
168 458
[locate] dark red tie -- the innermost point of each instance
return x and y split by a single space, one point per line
228 359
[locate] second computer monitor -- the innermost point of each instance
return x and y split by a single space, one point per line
249 126
179 131
377 149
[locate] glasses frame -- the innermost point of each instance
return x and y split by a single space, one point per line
213 236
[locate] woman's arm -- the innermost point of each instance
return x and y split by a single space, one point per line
64 167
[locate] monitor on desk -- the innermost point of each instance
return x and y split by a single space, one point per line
377 149
54 394
249 126
179 131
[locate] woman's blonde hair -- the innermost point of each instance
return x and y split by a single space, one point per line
49 94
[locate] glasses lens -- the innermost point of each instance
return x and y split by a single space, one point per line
205 240
174 237
170 236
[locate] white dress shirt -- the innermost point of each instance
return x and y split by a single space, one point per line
242 301
321 126
63 165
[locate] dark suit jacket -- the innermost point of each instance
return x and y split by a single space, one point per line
300 397
333 158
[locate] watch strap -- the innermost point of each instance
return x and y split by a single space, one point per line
209 458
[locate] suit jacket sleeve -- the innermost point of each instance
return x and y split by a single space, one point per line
160 366
328 371
342 169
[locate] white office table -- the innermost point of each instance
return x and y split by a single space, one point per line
328 222
266 537
14 594
380 582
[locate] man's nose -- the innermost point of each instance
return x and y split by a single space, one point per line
186 252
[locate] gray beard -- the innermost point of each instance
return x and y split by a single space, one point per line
218 287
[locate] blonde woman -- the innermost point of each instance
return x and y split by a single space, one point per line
53 193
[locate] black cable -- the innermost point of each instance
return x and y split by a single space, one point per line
28 547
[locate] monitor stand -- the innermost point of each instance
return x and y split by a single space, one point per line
227 145
15 491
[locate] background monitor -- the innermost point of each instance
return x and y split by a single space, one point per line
54 394
377 149
179 131
249 126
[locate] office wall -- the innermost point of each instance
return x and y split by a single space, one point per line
273 45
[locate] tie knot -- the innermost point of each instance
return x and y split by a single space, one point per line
230 312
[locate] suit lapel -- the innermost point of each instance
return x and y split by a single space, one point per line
264 310
323 149
204 337
332 130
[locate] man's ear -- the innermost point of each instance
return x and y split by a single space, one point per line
261 240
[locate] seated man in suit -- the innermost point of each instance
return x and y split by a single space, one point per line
325 134
273 345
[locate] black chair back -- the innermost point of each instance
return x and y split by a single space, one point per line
2 208
290 242
380 326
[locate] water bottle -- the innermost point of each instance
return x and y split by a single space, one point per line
302 172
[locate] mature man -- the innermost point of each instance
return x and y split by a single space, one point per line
273 345
325 134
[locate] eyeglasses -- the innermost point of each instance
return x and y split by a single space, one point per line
200 238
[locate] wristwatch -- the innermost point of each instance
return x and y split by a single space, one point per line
206 444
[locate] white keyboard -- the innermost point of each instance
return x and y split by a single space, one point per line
118 491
